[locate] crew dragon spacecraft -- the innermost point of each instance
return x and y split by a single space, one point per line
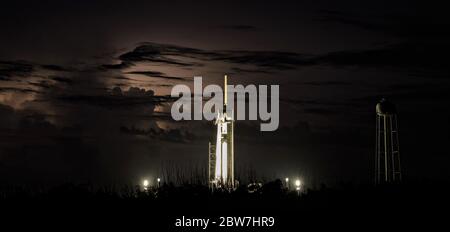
221 154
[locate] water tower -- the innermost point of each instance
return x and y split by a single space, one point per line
387 154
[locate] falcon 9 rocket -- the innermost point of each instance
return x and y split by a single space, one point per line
221 154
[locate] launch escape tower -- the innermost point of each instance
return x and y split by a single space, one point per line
387 154
221 154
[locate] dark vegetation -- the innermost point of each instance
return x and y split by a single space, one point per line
345 205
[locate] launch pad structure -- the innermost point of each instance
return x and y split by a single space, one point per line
221 153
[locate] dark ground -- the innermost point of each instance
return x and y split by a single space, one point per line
412 205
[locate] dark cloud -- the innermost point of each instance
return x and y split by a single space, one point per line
58 68
156 74
41 84
412 57
240 27
15 68
244 70
62 79
119 66
66 123
32 150
415 56
14 89
421 23
276 60
326 83
315 102
133 96
163 53
82 140
160 53
172 135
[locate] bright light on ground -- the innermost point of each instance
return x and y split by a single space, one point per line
145 183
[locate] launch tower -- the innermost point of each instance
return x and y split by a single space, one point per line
221 154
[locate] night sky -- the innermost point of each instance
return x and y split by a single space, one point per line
85 85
